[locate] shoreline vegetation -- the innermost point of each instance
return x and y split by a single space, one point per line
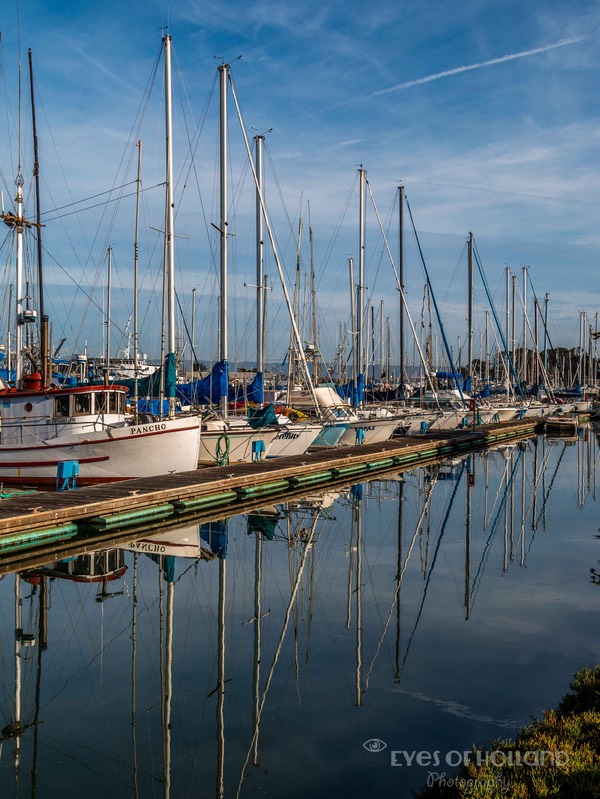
557 756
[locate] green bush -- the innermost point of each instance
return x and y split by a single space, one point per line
563 749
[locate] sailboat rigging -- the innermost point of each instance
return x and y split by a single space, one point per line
43 425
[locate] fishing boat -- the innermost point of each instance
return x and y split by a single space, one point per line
41 426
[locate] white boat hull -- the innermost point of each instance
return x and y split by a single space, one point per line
374 431
235 443
115 453
293 439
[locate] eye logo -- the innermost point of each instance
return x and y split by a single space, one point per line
374 745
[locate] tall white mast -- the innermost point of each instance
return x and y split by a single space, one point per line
108 308
136 261
169 216
260 355
361 273
223 354
19 287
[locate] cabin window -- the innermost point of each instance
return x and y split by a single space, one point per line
61 406
83 404
28 407
116 402
100 402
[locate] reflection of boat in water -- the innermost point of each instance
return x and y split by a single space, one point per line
182 542
566 425
103 567
238 690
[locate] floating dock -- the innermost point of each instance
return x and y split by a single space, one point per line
94 514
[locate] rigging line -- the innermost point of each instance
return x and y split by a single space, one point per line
338 227
535 346
403 295
536 486
192 168
93 751
301 354
543 320
433 560
307 548
399 578
92 197
99 205
292 235
495 315
88 296
474 587
435 305
551 484
503 477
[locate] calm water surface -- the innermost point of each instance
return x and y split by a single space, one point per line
416 614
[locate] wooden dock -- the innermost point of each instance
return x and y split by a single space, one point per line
95 513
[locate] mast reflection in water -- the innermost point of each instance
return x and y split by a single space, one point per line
266 655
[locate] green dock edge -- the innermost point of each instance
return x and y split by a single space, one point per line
229 500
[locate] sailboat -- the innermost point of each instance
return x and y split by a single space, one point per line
42 426
294 437
226 439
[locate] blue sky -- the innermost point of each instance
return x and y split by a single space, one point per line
487 112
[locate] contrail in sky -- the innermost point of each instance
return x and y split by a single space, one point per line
511 57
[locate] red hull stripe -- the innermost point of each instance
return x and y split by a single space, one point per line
4 450
38 464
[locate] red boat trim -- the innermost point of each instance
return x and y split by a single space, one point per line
83 442
38 464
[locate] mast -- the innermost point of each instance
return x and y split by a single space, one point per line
220 786
536 343
260 334
18 633
398 579
193 353
546 300
353 317
168 687
470 306
525 370
108 287
357 519
169 222
136 259
401 276
19 287
487 349
361 280
507 322
468 541
313 299
38 224
295 314
381 338
373 342
514 319
223 354
257 645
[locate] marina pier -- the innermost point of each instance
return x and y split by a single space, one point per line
90 516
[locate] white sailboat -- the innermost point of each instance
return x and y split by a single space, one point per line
41 425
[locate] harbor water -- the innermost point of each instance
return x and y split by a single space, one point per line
353 643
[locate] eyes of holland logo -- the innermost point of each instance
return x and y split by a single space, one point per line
374 745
